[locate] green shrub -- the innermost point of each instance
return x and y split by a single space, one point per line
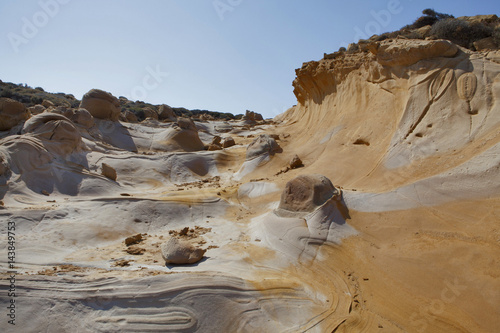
36 100
6 93
460 32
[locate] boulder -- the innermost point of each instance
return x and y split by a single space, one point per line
252 116
228 142
129 116
62 110
485 44
108 172
150 113
263 144
47 104
216 140
165 112
11 113
58 132
296 162
305 193
187 124
101 104
213 147
181 136
36 109
83 118
176 251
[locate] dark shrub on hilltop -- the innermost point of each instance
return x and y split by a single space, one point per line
461 32
429 18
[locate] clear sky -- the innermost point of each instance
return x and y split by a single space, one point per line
221 55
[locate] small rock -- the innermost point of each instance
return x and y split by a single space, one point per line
45 193
47 104
216 140
485 44
184 231
296 162
133 239
213 147
136 251
176 251
122 263
108 172
228 142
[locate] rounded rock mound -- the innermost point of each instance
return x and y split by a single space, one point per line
304 194
11 113
263 144
101 104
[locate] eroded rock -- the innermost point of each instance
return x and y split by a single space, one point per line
101 104
305 193
109 172
176 251
11 113
263 144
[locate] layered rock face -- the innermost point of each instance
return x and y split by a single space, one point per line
406 101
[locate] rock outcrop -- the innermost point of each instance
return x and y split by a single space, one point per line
57 132
11 113
305 193
165 112
263 144
101 104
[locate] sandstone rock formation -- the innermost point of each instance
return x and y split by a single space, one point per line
130 117
179 252
165 112
182 136
108 171
101 104
36 109
150 113
305 193
228 142
252 116
58 133
223 128
11 113
263 144
83 118
295 162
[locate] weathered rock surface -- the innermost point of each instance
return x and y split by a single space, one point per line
101 104
108 171
305 193
263 144
165 112
57 132
228 142
11 113
178 252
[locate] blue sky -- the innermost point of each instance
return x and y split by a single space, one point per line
221 55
